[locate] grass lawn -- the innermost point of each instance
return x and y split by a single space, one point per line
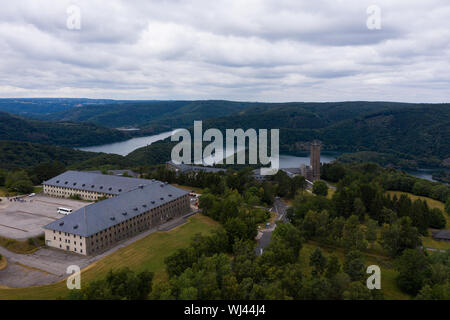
388 274
431 203
330 193
145 254
38 189
187 188
3 192
429 242
17 246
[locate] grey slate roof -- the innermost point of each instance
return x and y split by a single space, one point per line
98 216
89 181
119 173
442 235
190 168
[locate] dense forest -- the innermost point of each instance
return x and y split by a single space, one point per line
40 108
19 154
161 115
411 134
68 134
394 134
358 222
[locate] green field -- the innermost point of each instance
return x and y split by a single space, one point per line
388 274
429 242
188 188
17 246
145 254
431 202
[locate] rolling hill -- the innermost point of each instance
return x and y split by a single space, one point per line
69 134
149 115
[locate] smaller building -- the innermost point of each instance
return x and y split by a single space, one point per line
443 235
188 168
90 186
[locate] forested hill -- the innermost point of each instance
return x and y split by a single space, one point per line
68 134
151 115
41 107
19 154
412 131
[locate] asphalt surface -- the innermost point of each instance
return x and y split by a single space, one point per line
24 218
264 235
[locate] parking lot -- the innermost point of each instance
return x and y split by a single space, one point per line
25 218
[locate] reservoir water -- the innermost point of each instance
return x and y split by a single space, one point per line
125 147
286 161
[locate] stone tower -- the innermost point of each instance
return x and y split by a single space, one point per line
315 159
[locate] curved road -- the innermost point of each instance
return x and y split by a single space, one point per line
264 235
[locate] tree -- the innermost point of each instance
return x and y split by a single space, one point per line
447 206
413 269
292 281
436 292
354 265
359 208
47 170
333 267
357 291
18 181
436 219
118 285
297 183
353 236
320 188
316 288
399 236
206 202
371 231
318 262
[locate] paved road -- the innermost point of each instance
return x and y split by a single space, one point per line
264 235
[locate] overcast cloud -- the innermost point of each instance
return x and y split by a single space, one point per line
252 50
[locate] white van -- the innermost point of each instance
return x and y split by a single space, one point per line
64 211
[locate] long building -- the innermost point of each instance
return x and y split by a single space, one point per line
90 186
99 226
187 168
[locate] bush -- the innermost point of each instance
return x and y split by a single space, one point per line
122 284
75 197
320 188
436 219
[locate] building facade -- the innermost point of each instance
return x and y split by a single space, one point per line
90 185
99 226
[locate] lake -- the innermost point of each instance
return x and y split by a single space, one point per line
125 147
286 161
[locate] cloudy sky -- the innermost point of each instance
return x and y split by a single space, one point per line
251 50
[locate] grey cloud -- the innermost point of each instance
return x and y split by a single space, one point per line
270 50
